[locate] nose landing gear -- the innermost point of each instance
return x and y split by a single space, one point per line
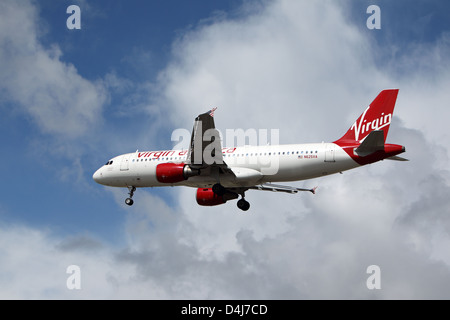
129 201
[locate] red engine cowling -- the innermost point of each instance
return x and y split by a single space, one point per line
173 172
207 197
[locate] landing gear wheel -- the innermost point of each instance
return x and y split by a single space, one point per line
243 204
219 189
129 201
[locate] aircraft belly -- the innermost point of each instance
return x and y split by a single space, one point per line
200 182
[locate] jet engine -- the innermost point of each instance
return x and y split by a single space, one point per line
207 197
174 172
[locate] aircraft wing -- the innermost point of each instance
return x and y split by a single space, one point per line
205 148
280 188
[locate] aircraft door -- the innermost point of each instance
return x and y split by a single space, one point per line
125 164
329 153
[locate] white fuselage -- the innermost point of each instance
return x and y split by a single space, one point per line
251 165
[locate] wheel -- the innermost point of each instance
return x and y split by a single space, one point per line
129 201
219 189
243 204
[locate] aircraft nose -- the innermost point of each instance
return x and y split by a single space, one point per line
97 176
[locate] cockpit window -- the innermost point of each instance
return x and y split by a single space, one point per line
109 163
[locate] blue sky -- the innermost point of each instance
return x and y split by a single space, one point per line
121 32
137 70
129 39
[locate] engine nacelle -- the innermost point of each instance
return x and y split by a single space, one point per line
207 197
174 172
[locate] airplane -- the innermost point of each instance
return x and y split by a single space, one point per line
223 174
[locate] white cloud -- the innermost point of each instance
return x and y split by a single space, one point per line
33 268
49 91
274 64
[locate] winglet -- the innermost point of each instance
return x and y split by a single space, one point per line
313 190
211 112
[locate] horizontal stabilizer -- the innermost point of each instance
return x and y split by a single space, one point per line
372 143
397 158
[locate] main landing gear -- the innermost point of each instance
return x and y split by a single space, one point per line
129 201
220 190
243 204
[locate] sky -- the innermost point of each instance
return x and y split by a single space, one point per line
138 70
